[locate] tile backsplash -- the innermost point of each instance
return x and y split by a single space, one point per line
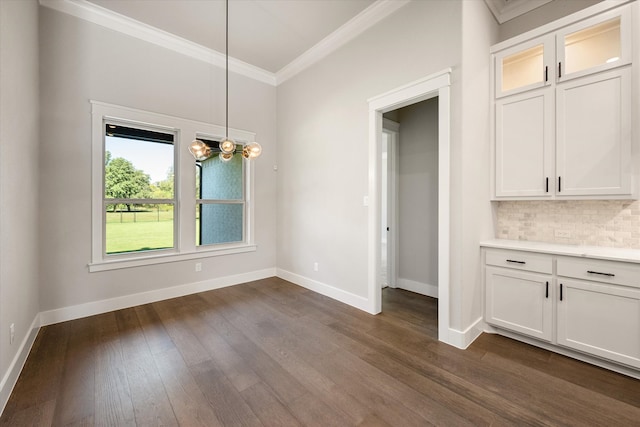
612 223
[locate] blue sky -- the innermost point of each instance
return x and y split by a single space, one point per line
153 158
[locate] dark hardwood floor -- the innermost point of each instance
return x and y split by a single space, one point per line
271 353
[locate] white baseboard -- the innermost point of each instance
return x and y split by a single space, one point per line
326 290
11 376
418 287
126 301
463 339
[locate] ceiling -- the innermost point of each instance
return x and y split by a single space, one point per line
268 34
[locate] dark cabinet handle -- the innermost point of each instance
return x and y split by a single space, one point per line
560 291
559 184
516 262
546 74
546 292
547 186
602 274
559 69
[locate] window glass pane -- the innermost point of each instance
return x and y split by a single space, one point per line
593 46
138 227
137 168
220 180
523 68
220 223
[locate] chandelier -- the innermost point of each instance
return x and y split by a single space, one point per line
226 148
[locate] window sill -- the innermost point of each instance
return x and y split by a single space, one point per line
165 258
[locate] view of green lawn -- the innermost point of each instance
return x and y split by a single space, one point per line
139 230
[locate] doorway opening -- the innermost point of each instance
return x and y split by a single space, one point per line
435 86
409 198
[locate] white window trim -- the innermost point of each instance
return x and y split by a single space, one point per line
185 201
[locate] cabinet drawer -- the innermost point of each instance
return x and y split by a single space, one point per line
618 273
525 261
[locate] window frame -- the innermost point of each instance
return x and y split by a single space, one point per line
243 201
185 205
105 200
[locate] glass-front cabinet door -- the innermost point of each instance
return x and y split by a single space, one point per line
524 67
594 45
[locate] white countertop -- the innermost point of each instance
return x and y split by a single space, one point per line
595 252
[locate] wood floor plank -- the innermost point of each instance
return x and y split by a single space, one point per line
113 405
156 336
265 404
75 404
228 405
151 404
272 353
189 404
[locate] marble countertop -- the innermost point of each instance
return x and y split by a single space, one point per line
594 252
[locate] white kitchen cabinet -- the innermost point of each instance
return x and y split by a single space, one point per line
599 319
519 301
519 292
564 297
593 139
524 144
562 113
599 308
524 67
593 45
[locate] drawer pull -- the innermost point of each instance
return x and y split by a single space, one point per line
516 262
560 291
601 274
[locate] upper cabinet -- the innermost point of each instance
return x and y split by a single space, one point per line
562 112
524 67
594 45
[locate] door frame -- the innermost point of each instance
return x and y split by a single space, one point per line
393 130
435 85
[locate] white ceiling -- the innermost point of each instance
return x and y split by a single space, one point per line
268 34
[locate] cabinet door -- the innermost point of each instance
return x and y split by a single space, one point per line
524 67
519 301
593 140
524 145
603 320
594 45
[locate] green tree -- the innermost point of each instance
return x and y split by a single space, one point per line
123 181
163 189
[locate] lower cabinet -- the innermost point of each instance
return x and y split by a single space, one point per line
600 319
519 301
590 306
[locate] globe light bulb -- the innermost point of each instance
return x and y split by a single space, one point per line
225 157
200 150
251 150
227 146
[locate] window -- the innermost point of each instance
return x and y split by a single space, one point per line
220 201
139 182
143 191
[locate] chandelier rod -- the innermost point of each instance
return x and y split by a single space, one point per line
226 50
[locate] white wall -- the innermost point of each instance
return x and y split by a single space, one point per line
82 61
323 138
19 201
472 218
418 197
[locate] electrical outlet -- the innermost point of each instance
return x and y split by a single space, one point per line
563 234
315 266
198 266
12 333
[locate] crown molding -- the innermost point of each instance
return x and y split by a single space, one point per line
114 21
352 28
504 10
